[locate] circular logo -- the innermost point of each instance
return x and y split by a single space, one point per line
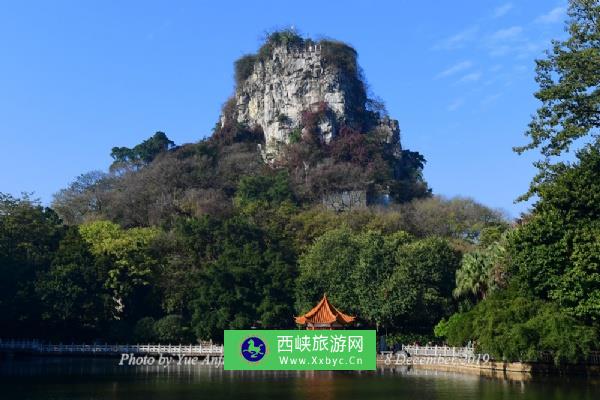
253 349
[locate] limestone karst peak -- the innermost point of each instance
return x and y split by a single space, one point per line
292 78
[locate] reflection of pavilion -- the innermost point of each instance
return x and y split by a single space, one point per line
324 316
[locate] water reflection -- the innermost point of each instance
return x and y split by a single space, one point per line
82 378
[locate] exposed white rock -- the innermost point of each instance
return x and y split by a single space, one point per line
295 80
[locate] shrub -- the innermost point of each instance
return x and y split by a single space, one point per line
284 37
295 136
244 67
339 55
144 330
171 329
510 326
269 189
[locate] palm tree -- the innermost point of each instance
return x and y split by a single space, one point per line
480 272
472 276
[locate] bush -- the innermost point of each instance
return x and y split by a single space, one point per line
269 189
171 329
295 136
340 55
244 67
144 330
512 327
284 37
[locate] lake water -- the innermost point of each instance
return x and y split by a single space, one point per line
80 378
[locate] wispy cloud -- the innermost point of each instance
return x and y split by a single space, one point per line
502 10
507 33
490 99
554 15
456 104
505 41
472 77
461 66
458 40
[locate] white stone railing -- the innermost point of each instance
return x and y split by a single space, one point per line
445 351
438 351
34 346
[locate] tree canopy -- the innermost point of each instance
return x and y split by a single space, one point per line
569 79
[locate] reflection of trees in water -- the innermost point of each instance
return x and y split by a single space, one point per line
316 385
51 377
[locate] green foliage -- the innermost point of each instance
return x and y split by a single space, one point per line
284 37
295 136
481 271
339 55
270 190
142 153
144 331
171 329
553 300
513 327
556 254
244 67
491 234
247 278
418 293
127 253
461 220
568 77
398 339
71 291
388 280
29 236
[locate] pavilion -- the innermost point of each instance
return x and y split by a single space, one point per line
324 316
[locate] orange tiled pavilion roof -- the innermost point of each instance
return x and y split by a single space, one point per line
324 313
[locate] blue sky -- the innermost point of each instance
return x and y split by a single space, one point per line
80 77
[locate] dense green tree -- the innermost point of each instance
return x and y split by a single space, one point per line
246 280
481 271
72 290
553 298
460 218
389 281
419 292
177 276
569 79
327 268
511 326
144 330
375 265
29 236
130 264
172 329
141 154
556 254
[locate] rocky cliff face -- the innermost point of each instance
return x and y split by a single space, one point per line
291 81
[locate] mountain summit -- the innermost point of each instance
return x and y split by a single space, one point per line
291 78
